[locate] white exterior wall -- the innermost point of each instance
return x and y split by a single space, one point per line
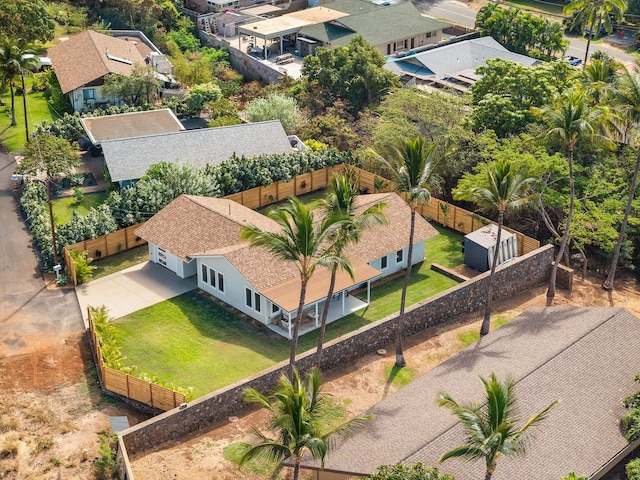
171 262
394 266
234 287
79 104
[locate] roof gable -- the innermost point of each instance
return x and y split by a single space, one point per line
90 56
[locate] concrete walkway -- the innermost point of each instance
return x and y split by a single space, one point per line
132 289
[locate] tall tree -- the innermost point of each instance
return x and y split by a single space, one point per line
591 15
570 120
302 241
354 73
14 61
412 170
338 202
51 155
491 428
28 19
628 101
503 189
302 419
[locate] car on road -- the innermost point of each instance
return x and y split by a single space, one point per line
571 60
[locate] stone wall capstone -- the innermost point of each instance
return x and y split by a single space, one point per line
512 278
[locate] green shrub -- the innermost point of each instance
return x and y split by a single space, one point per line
105 464
84 269
417 471
633 469
631 422
78 194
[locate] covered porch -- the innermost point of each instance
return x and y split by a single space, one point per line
286 297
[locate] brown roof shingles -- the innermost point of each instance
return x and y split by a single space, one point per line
85 58
202 226
586 357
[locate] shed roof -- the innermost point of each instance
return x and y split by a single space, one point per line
89 56
486 236
586 357
129 158
129 125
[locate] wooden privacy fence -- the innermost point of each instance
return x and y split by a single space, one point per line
453 217
130 386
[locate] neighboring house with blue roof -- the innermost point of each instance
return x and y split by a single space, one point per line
127 159
455 61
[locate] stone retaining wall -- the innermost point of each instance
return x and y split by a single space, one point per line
515 277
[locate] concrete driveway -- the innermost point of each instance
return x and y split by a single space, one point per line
132 289
30 314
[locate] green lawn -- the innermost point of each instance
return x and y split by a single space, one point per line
541 7
37 111
108 265
63 208
191 341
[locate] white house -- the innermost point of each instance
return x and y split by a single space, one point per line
200 236
81 63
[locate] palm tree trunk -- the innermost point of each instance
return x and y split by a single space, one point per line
296 327
608 283
486 321
400 361
13 108
325 314
586 54
296 468
24 104
551 292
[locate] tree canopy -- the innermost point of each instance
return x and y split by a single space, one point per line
353 73
28 19
135 89
53 155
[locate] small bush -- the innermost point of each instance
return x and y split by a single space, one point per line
105 465
631 422
633 469
9 448
43 443
78 194
84 269
417 471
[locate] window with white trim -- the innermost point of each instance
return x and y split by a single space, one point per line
248 297
212 277
89 94
257 302
221 282
399 256
384 263
205 271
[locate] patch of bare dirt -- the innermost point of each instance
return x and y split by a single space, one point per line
51 411
362 385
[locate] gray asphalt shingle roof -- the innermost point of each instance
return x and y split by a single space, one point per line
129 159
586 357
457 57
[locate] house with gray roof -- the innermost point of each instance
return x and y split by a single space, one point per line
127 159
200 236
456 62
586 358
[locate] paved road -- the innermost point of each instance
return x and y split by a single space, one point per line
458 12
30 315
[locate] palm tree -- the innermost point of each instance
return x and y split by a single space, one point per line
591 15
628 100
341 193
491 428
412 171
569 121
303 420
301 241
13 63
503 189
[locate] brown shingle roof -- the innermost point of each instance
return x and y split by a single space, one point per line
586 357
383 239
193 226
90 56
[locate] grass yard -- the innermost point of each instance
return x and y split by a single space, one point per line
108 265
191 341
37 111
63 208
542 7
